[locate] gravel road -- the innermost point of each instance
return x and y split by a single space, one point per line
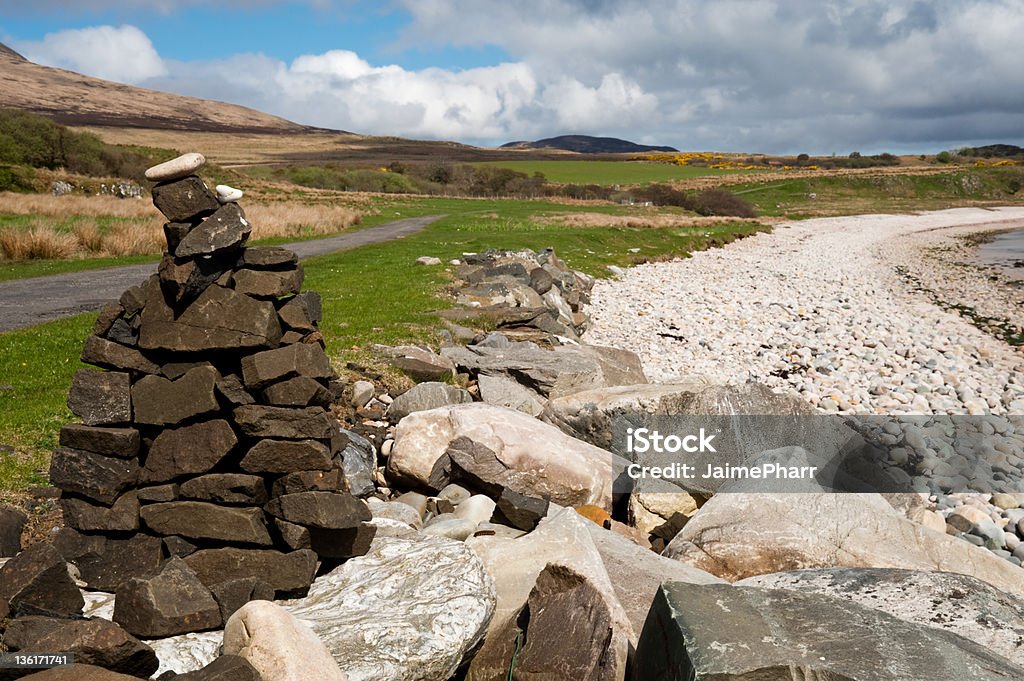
25 302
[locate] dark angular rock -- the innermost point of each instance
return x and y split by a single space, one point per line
310 481
36 582
233 594
174 232
92 475
100 398
199 520
342 544
185 199
313 423
172 602
287 573
705 632
95 641
190 450
231 389
521 511
420 364
157 493
226 488
565 630
184 279
297 392
263 368
161 402
358 464
294 536
121 331
109 355
323 510
540 280
134 299
226 229
219 319
12 523
179 547
105 562
109 314
80 672
303 312
268 284
224 668
277 456
268 258
119 442
175 370
122 516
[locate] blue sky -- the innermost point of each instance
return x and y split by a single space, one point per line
775 76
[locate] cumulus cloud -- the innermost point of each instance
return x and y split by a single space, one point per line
734 75
120 53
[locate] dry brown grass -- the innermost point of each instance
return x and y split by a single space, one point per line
100 226
590 220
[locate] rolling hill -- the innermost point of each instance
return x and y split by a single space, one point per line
585 144
73 99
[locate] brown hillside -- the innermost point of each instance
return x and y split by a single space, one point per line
73 99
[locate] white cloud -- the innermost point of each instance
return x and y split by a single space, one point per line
753 75
119 53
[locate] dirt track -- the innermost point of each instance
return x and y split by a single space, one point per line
26 302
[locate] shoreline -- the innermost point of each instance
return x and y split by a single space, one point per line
840 312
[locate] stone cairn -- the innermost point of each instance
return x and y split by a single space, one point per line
207 469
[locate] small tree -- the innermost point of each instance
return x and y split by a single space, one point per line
944 157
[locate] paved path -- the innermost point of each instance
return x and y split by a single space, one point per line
25 302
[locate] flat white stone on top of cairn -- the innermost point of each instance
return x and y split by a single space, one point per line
226 194
176 168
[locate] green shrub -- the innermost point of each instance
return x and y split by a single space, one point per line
37 142
944 157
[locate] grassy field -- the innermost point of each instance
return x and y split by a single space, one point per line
798 197
609 172
374 294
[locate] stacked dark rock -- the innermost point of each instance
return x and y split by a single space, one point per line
526 295
207 467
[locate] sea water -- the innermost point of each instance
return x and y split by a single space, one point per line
1006 250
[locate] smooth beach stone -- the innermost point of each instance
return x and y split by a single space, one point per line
176 168
226 194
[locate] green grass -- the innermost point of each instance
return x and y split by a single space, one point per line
608 172
847 195
374 294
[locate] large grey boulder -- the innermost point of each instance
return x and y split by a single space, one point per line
588 415
408 610
636 573
552 373
504 392
738 535
279 646
728 633
955 603
561 539
533 458
426 396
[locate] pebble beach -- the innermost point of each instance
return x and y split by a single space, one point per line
839 311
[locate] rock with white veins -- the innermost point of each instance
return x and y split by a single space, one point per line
408 610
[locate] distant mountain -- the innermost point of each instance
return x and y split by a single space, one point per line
585 144
996 151
73 99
